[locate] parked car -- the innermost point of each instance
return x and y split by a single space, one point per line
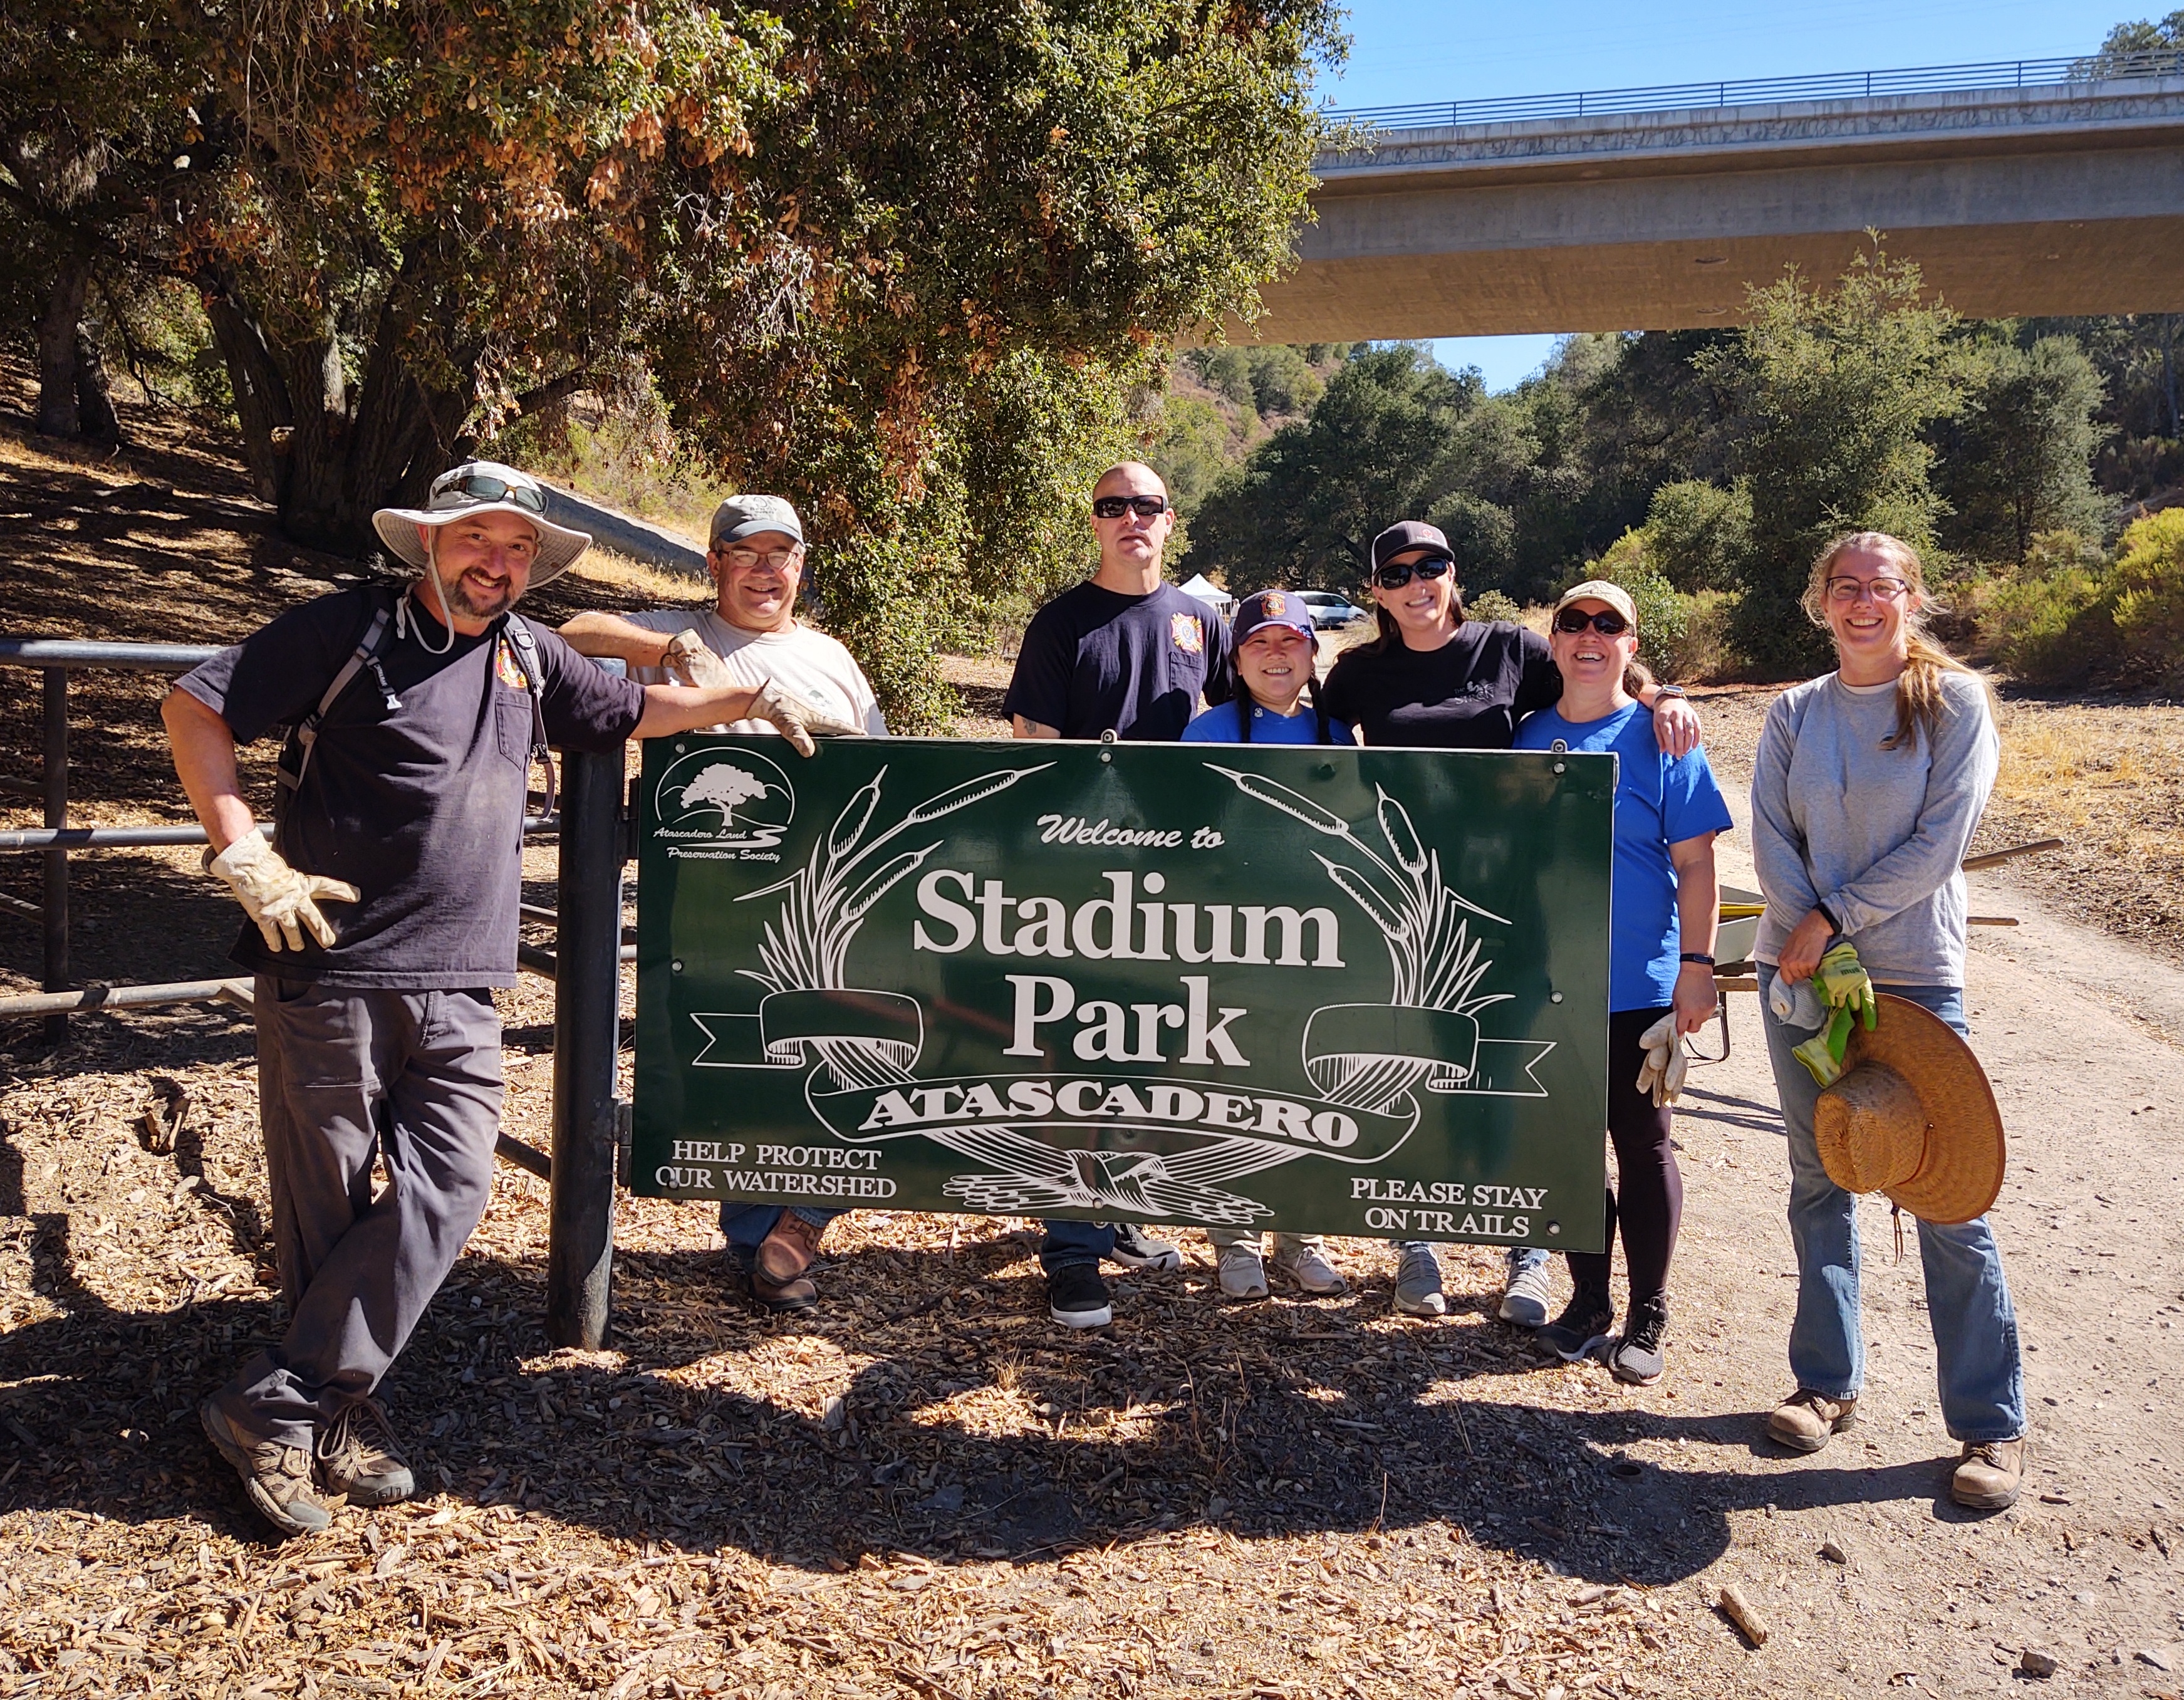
1329 611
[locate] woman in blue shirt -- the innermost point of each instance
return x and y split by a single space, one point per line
1665 903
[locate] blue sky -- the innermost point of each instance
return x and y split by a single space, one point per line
1413 50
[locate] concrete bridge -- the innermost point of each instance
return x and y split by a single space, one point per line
2063 198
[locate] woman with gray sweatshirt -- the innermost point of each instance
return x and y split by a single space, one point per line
1868 786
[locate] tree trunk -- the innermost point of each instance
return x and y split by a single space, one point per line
261 394
94 399
57 414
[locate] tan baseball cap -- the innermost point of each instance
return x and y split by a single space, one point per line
1599 590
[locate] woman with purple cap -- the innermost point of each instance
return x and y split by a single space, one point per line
1272 664
1434 680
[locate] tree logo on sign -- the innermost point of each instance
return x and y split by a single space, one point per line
734 797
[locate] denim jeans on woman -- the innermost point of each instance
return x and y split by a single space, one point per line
1978 1364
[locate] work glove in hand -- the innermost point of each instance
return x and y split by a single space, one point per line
1823 1053
1843 983
795 719
1666 1065
694 664
284 903
1795 1004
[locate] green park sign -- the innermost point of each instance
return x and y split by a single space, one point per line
1342 991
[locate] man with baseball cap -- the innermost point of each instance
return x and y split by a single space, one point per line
750 636
411 718
1127 653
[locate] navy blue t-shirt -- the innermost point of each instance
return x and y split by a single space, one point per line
1659 801
420 808
1094 661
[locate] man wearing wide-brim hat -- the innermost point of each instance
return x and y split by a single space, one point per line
380 918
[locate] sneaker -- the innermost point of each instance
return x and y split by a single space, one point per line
1135 1249
277 1478
1585 1326
1637 1356
778 1280
1418 1282
1806 1421
359 1460
1307 1266
1242 1275
1526 1298
1077 1296
1989 1475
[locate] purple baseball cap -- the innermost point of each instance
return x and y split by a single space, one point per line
1270 608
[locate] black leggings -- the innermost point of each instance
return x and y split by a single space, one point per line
1651 1205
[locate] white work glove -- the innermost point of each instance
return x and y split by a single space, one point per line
284 903
1794 1003
1666 1065
691 660
795 719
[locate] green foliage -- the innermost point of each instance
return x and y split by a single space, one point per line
1189 448
1700 534
1663 611
1833 393
2147 584
1493 604
2050 621
2125 46
2017 460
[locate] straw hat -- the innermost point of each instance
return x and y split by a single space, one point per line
1913 1116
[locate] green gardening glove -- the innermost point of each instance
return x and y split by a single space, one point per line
1823 1053
1843 984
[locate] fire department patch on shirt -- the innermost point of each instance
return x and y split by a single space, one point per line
504 663
1188 634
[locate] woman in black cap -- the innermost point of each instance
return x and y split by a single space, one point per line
1434 680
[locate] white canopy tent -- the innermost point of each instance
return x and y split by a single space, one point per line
1206 591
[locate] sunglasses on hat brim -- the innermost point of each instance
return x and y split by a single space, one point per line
486 488
1397 574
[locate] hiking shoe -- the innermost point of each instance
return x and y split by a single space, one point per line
1637 1356
1077 1296
778 1277
1806 1421
1307 1266
1418 1282
1526 1298
277 1478
1989 1475
1242 1275
1583 1327
359 1460
1135 1249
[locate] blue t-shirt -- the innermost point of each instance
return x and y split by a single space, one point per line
1094 661
1658 801
1219 725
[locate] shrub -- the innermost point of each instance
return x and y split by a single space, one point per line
2147 583
2051 620
1663 611
1699 535
1493 604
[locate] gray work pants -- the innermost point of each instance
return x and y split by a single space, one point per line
345 1076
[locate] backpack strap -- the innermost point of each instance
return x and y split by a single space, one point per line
525 643
304 736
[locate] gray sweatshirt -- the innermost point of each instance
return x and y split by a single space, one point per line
1876 836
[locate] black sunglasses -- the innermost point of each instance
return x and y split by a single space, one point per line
1608 622
486 488
1396 575
1114 507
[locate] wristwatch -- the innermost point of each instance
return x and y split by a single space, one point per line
1661 690
1698 956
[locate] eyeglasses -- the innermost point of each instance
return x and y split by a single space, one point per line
1397 574
1608 622
1846 591
486 488
1114 507
750 557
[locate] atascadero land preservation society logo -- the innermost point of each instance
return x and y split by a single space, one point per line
724 804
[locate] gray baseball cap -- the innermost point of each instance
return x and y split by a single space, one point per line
743 516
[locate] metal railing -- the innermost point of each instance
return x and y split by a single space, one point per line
55 659
1750 91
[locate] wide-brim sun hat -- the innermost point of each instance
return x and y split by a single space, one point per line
1914 1117
484 487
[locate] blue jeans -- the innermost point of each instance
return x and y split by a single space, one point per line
1977 1362
1070 1244
747 1225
